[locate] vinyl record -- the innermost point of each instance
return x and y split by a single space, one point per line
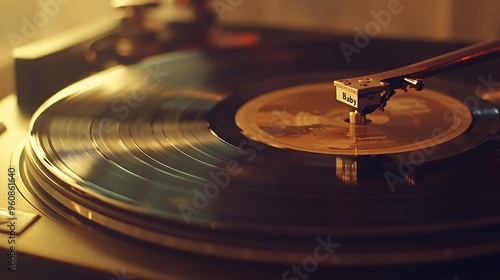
245 154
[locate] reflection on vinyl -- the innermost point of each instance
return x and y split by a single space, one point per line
211 154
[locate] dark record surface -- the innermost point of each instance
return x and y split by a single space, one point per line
155 149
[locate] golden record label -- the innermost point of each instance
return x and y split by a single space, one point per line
308 118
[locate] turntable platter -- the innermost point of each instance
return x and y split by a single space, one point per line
172 151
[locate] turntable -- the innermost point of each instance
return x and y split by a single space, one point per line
267 161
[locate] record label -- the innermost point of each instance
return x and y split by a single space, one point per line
308 118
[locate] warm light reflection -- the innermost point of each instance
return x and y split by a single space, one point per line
410 180
76 207
347 171
492 96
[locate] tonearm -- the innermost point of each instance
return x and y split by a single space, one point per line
368 93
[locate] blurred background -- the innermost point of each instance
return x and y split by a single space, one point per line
444 20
